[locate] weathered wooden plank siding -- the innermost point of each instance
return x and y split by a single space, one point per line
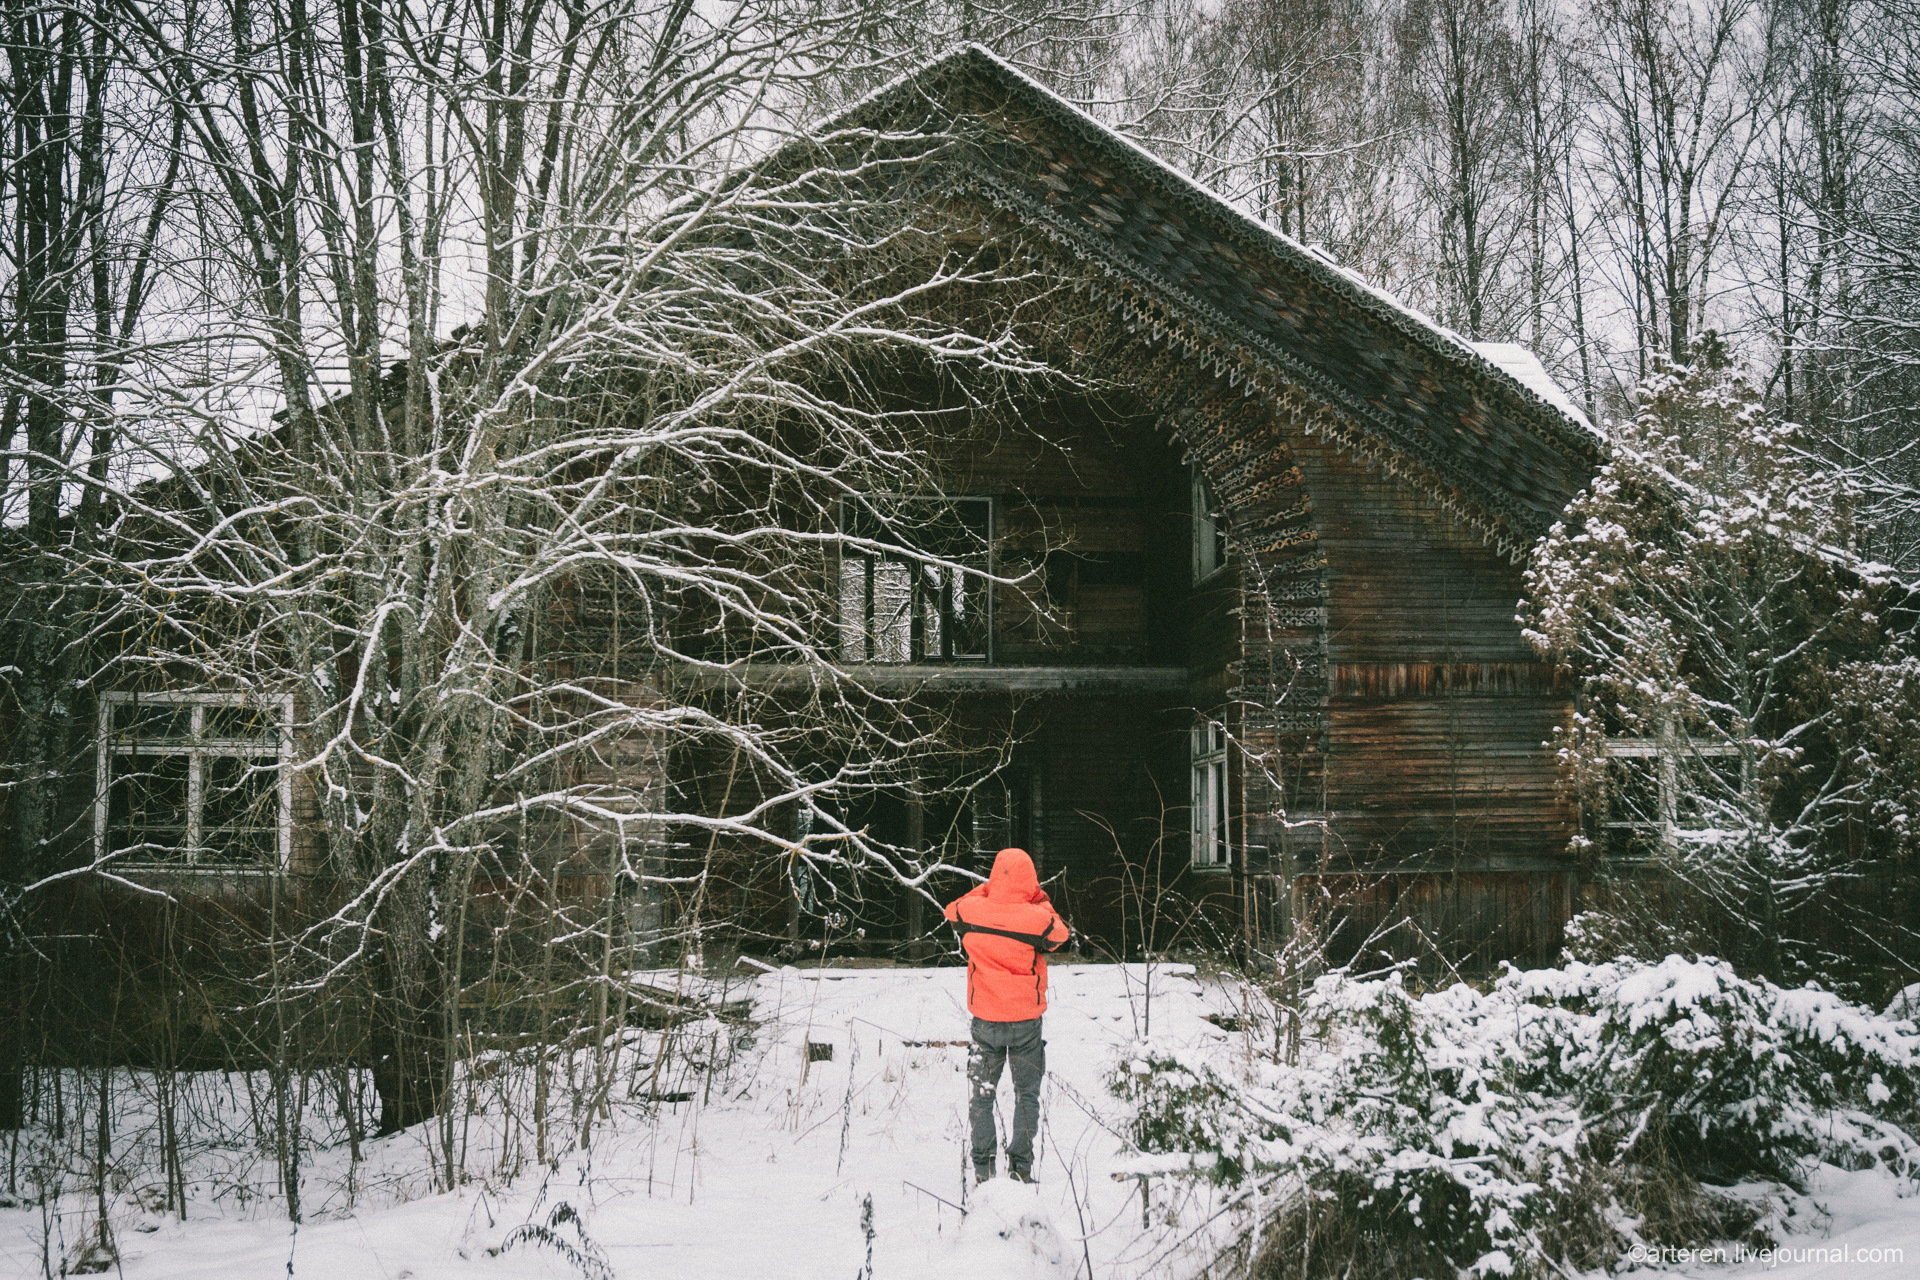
1438 711
1105 763
1364 645
1479 918
1405 582
1086 505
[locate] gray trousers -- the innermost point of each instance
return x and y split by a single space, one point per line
993 1044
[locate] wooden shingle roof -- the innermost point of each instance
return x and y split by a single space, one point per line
1259 306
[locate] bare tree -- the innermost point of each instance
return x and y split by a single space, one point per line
85 200
1287 106
1548 97
1682 88
1464 65
1841 253
653 423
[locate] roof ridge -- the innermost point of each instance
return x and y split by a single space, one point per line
1412 322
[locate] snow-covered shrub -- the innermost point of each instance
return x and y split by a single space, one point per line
1735 1077
1484 1132
1408 1127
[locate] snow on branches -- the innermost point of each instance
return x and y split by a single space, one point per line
1485 1132
1733 661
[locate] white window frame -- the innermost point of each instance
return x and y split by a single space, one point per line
1666 751
1211 795
198 750
1209 540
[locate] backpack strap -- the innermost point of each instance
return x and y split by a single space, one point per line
1038 941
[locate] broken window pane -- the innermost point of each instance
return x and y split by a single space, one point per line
191 780
1657 789
147 810
240 814
892 633
853 608
151 720
243 723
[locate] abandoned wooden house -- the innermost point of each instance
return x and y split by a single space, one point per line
1262 645
1263 648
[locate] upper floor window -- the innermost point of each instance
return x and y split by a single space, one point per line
896 606
1211 847
1209 532
194 779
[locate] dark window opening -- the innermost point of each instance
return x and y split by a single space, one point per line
193 780
1209 531
912 588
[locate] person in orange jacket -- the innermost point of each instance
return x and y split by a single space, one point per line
1005 926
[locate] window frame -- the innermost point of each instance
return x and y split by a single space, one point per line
1210 796
915 588
198 749
1211 552
1667 752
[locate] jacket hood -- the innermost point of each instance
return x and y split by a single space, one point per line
1013 878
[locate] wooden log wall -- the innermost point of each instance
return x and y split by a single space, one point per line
1093 507
1391 718
1438 710
1093 503
1445 923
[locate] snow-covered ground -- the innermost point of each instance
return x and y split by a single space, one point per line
772 1173
751 1180
1849 1226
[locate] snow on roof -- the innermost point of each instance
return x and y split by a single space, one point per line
1513 361
1525 368
1510 358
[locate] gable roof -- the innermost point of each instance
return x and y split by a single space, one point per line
1504 450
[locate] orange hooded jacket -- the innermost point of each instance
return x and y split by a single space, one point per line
1007 976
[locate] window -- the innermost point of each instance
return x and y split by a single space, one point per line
896 607
1210 843
1209 537
194 780
1659 787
